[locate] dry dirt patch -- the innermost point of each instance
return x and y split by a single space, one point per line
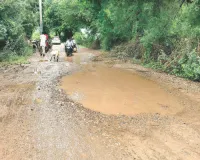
12 98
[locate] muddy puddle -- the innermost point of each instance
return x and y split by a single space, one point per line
117 91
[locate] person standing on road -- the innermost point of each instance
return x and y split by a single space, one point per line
43 43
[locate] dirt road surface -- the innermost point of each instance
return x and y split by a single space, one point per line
39 121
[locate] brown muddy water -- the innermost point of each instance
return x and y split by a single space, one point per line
117 91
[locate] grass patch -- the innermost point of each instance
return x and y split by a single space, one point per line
154 65
9 57
15 60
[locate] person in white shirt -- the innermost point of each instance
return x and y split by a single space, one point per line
43 43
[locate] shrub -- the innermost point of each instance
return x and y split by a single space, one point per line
190 66
36 35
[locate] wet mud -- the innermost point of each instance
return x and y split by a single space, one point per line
117 91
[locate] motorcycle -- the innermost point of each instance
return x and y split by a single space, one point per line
35 45
68 51
75 48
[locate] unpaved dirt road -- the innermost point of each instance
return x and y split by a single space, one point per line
38 121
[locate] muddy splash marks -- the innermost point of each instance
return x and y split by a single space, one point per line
116 91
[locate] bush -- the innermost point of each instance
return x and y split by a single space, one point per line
133 50
17 21
189 66
36 35
79 37
87 40
9 55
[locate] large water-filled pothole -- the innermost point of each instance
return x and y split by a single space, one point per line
117 91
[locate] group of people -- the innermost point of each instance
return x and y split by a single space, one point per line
70 46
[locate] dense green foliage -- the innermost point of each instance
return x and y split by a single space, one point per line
65 17
17 21
159 34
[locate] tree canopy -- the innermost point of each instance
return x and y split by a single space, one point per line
155 30
17 22
163 32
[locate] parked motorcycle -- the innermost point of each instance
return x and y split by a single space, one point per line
35 45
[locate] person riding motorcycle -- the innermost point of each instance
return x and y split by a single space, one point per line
69 47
